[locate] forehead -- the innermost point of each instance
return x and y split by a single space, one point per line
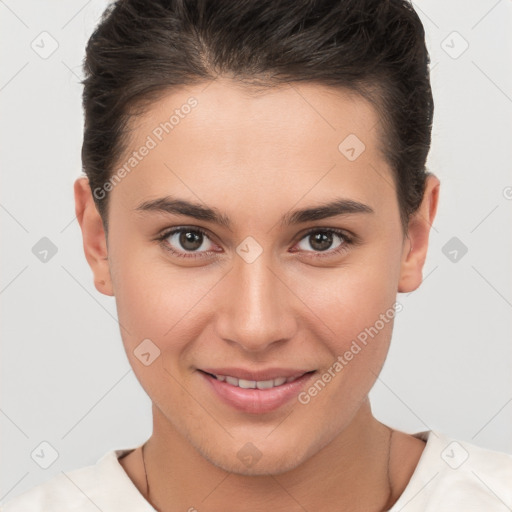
298 115
219 140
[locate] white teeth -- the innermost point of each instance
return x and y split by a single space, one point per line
232 380
253 384
246 384
265 384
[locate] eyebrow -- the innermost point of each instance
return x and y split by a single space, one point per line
168 204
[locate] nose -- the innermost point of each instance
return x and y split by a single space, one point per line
255 306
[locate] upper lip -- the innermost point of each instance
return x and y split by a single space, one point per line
264 374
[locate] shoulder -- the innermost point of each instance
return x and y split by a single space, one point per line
457 475
100 486
60 492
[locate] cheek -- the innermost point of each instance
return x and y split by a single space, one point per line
360 319
159 301
354 296
356 303
153 306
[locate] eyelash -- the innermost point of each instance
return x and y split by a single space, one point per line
342 248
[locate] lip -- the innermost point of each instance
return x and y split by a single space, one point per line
256 401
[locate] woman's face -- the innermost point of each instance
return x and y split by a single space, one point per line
266 288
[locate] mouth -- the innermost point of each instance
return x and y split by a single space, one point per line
256 396
255 384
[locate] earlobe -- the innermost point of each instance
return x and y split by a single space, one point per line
416 243
93 235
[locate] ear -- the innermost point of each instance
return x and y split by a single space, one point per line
93 234
416 242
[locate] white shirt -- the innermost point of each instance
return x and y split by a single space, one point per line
451 476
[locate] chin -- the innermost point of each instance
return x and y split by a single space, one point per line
275 465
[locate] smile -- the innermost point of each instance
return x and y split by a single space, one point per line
256 396
253 384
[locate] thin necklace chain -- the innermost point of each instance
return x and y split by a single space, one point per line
390 491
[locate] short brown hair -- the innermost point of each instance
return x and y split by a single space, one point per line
142 49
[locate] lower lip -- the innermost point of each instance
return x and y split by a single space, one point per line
257 401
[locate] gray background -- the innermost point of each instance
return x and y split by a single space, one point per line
65 377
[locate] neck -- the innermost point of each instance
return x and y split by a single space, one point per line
351 473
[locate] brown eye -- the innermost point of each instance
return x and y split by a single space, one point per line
321 240
190 240
326 243
187 242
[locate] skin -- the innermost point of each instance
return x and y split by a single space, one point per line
255 157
